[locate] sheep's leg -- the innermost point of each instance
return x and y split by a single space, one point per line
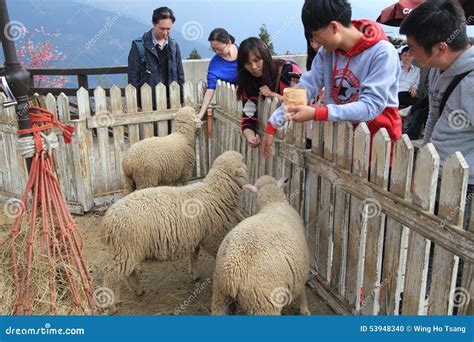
133 282
220 303
129 186
193 269
304 304
186 175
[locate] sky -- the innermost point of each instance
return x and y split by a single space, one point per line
241 18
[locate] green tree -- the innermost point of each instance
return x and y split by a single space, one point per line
265 36
194 54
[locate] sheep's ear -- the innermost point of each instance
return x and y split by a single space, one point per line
241 172
282 182
250 188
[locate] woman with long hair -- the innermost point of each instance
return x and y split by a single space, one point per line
223 65
259 75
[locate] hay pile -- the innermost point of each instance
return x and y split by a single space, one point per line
52 278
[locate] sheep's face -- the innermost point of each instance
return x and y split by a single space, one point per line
268 190
184 120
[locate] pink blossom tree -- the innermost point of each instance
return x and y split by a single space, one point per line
37 50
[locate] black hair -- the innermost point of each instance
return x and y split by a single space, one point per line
311 54
162 13
317 14
405 49
436 21
249 84
221 35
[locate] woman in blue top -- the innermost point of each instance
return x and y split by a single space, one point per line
223 65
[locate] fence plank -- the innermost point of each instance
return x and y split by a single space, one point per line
326 209
341 207
116 108
104 180
9 141
175 95
162 126
466 304
59 153
424 193
82 150
201 89
396 234
132 108
204 149
312 201
214 139
7 126
379 171
356 234
69 176
188 92
445 264
146 130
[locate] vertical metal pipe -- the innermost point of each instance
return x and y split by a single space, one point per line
18 78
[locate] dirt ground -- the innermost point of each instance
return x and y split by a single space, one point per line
169 289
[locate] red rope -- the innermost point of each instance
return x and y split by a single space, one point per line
60 246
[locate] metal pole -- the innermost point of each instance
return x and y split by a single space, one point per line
17 77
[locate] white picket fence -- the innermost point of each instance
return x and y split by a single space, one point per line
370 227
89 169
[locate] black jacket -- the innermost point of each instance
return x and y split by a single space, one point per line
138 73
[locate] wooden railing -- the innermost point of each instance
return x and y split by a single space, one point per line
89 169
370 227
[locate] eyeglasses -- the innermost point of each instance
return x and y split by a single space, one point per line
221 50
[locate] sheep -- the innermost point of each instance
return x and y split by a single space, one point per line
162 160
169 223
263 262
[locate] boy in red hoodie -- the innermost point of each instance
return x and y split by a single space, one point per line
358 67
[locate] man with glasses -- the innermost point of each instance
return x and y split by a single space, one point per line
156 57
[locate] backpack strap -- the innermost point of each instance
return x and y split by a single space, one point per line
449 90
141 50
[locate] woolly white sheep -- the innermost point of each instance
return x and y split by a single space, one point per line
162 160
263 262
169 223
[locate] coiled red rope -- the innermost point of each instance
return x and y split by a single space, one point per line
60 242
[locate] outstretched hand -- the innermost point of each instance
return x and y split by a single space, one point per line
267 143
300 113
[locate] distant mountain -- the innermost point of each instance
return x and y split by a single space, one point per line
89 36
